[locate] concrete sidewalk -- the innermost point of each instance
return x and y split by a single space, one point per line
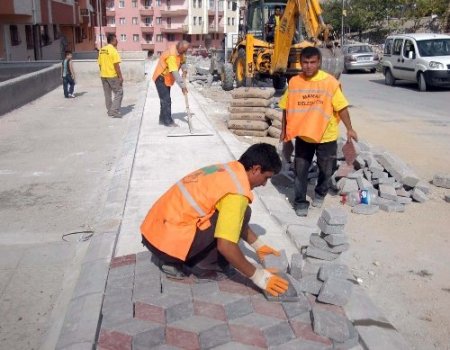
123 302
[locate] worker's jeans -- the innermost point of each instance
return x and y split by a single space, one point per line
68 85
326 161
203 253
111 85
165 113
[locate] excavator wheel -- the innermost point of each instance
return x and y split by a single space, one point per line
227 76
239 68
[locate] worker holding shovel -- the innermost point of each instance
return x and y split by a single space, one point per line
195 227
166 74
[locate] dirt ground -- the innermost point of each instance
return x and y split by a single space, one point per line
402 258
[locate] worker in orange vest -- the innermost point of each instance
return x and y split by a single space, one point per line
166 74
313 107
195 227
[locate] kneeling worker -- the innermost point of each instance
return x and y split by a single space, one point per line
197 224
166 74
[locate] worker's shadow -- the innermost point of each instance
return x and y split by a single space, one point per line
79 94
285 186
181 116
127 109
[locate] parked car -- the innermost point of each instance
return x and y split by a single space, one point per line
423 58
360 56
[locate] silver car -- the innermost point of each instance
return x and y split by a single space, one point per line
360 56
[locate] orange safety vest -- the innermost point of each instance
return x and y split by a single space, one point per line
162 68
172 222
309 107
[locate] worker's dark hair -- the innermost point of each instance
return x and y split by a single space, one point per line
110 38
68 52
261 154
309 52
277 7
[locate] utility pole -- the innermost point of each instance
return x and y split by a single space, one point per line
342 23
99 21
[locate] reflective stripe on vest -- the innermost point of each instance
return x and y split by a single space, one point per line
319 109
191 200
234 178
311 91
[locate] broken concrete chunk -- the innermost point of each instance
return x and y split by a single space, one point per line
418 195
335 216
424 186
320 254
365 209
310 284
331 325
329 229
335 291
441 180
277 262
335 239
388 192
334 270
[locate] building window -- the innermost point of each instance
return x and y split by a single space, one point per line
134 20
229 5
195 20
123 37
135 37
110 5
121 4
159 38
232 21
228 21
169 21
200 21
147 3
158 20
122 20
29 37
111 21
194 3
45 38
170 37
134 3
158 3
14 33
199 4
148 21
211 4
149 38
197 37
56 34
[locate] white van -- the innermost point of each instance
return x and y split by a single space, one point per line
420 57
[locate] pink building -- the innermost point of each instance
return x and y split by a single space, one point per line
151 25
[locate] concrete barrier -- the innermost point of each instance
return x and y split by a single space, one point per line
20 90
11 70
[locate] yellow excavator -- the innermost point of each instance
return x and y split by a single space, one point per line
258 55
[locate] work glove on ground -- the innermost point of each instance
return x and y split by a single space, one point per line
272 284
262 249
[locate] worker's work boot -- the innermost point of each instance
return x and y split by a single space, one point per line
318 201
301 209
173 271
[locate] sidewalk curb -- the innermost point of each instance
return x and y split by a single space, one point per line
83 316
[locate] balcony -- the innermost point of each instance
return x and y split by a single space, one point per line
110 11
147 27
146 11
167 12
174 29
147 45
110 28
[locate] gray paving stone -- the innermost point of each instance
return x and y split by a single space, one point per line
379 174
101 246
441 180
310 268
92 278
335 216
121 272
164 309
200 289
302 344
347 185
173 287
329 229
384 181
403 193
392 207
374 166
331 325
150 338
144 264
335 239
424 187
209 332
335 291
81 321
146 286
296 266
419 196
158 347
350 343
310 284
365 209
364 184
293 309
119 283
320 254
334 270
277 262
318 242
119 313
388 192
447 198
274 331
117 296
339 248
300 234
367 174
397 185
404 200
235 346
397 168
231 305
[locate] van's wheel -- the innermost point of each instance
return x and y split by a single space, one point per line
279 82
389 78
239 68
421 82
227 76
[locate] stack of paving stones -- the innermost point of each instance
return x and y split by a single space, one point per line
143 309
248 111
390 180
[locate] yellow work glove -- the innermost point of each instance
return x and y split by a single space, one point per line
262 249
272 284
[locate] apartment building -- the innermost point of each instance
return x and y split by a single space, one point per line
44 29
151 25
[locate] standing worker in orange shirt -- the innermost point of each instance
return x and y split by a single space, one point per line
313 107
197 224
111 75
166 74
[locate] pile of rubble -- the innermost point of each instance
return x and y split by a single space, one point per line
199 71
390 182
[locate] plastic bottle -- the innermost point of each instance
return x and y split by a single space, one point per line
359 197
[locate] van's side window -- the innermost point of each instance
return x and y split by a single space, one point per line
408 47
388 46
398 46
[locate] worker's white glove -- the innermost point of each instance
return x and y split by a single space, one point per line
271 283
262 249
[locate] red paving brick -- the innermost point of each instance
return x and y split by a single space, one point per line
149 313
247 335
123 260
114 341
181 338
